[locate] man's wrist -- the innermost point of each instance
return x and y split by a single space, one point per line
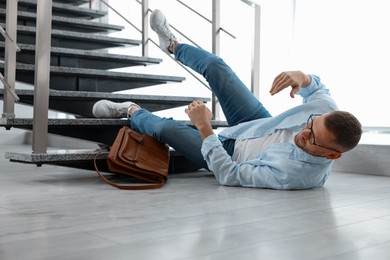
205 130
307 81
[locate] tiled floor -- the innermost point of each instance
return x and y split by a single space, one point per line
61 213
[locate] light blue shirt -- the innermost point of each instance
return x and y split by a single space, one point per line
280 165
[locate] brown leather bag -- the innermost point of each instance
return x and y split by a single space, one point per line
139 156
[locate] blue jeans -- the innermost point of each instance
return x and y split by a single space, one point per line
237 103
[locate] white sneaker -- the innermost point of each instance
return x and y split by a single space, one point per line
108 109
160 25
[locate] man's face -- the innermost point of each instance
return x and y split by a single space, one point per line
316 139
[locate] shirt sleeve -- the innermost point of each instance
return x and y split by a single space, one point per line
316 92
247 174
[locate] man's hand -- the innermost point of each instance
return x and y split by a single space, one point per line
200 115
295 79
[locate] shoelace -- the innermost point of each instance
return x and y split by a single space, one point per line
119 111
167 32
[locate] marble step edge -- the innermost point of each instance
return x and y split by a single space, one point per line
79 36
81 11
64 155
72 2
71 21
56 155
88 53
84 72
111 96
28 122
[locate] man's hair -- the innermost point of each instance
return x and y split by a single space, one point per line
346 128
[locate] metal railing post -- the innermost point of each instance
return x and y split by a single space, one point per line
216 42
10 58
255 77
42 76
145 28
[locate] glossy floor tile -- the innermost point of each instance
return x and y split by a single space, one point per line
61 213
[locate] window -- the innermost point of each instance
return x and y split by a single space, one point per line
347 44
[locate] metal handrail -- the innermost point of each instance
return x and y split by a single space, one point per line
205 18
6 36
216 29
17 49
174 28
9 88
120 15
156 44
255 79
11 48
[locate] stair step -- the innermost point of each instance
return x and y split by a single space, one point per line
80 103
27 123
59 9
104 130
53 156
64 23
78 158
73 40
81 58
84 159
77 79
72 2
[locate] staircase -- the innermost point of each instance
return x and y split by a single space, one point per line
79 77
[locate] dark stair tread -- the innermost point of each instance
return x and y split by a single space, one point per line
99 73
82 58
59 9
79 79
27 123
117 97
72 2
89 122
80 103
104 130
64 23
74 40
69 2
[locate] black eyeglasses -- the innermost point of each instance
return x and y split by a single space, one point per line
312 138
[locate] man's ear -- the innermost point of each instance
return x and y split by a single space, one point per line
333 155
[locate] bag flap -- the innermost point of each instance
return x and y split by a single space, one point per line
129 148
153 156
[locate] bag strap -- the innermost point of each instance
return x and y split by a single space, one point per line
125 187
